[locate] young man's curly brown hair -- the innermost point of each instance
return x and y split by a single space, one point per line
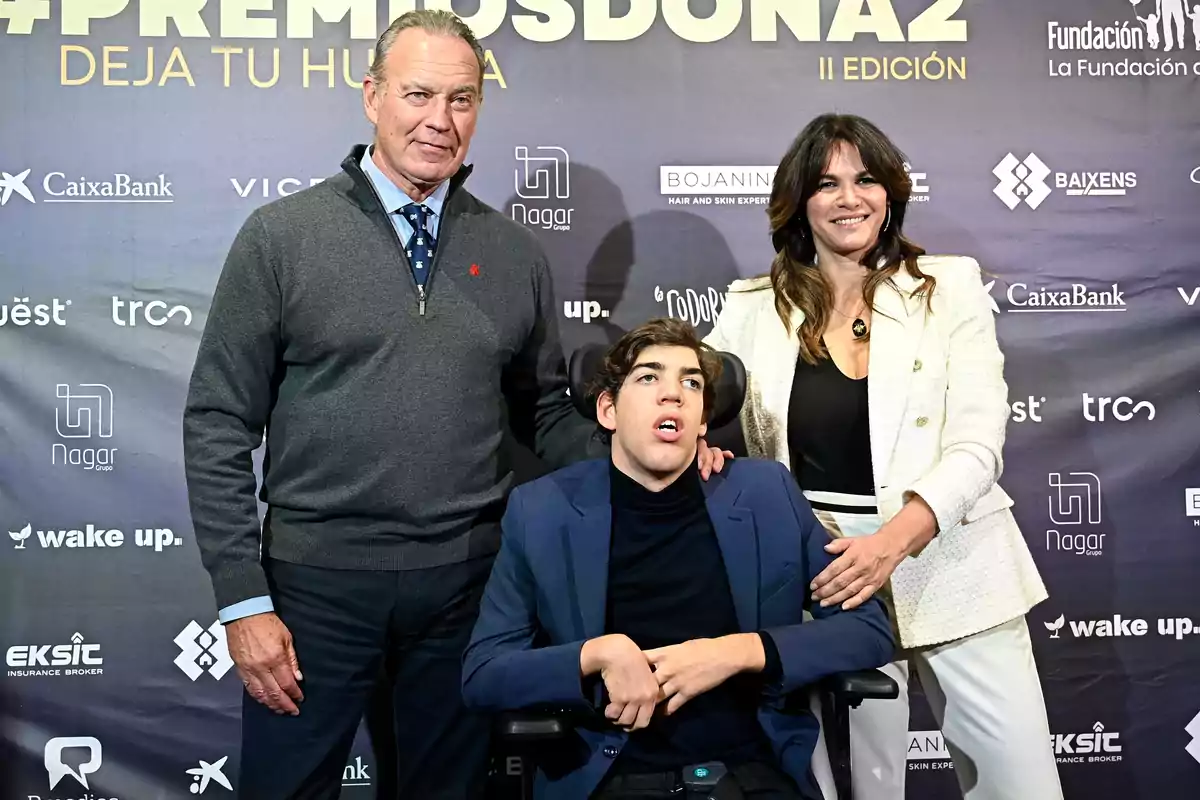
621 358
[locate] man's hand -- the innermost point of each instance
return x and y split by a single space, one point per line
690 669
710 459
261 647
632 691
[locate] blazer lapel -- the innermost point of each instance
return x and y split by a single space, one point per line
589 540
896 329
738 539
775 354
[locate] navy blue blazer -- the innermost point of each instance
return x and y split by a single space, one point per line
547 592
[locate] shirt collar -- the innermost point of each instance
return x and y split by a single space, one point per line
394 198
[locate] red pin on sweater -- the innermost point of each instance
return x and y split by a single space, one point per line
475 270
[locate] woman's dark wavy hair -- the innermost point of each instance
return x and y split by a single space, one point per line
794 275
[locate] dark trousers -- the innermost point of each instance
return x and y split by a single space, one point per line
751 781
351 629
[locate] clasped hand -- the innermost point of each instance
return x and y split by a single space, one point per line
638 681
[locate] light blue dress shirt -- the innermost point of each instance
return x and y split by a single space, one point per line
394 199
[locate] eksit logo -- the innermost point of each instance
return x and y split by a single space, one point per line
203 651
544 177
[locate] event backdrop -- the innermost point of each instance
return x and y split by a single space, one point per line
1056 141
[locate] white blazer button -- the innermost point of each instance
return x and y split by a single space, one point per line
917 365
922 422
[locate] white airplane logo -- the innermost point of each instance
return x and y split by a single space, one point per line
208 772
14 183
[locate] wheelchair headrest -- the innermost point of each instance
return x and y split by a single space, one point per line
729 392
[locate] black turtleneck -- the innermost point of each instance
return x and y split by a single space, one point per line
667 584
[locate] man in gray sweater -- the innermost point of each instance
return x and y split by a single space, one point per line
387 331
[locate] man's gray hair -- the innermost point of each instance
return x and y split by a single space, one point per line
434 22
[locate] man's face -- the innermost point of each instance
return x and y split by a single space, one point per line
658 415
424 111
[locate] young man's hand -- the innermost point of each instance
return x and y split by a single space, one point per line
632 690
690 669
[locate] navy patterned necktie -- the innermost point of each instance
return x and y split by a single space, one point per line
421 245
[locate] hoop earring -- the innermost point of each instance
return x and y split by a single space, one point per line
887 219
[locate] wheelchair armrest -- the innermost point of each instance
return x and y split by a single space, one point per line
518 728
868 684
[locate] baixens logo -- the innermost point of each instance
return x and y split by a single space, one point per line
1024 180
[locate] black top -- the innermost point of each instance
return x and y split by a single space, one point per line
829 435
666 585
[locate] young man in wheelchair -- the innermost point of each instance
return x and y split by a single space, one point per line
664 612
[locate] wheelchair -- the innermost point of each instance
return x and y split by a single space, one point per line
522 733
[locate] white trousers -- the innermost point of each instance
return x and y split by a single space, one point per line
984 692
986 696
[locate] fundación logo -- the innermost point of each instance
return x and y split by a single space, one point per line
1024 180
203 650
1075 503
542 180
1161 25
56 187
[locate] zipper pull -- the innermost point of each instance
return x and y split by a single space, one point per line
421 305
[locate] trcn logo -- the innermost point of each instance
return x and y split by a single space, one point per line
1122 409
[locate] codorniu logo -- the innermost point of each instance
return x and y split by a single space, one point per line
76 658
690 305
1074 503
58 187
92 537
131 313
83 416
203 650
268 188
1122 409
1025 180
542 180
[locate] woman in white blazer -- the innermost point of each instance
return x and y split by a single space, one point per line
874 374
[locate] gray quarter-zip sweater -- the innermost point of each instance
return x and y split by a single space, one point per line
385 410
